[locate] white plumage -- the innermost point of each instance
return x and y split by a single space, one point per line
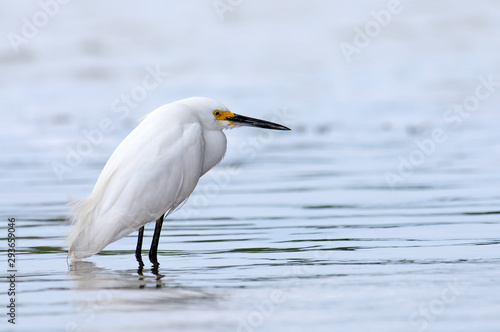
153 171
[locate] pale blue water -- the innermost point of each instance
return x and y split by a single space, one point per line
378 212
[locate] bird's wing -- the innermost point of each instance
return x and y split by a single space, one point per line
151 172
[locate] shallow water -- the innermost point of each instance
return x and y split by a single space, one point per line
358 219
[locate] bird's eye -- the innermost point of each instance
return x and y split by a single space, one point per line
217 113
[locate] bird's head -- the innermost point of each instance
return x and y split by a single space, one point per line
230 120
217 116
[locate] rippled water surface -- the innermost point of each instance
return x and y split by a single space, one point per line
379 211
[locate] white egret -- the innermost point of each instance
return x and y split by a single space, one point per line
152 172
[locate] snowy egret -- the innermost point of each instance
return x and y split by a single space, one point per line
152 172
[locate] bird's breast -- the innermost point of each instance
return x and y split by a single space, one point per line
215 149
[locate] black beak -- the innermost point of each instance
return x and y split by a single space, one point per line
246 121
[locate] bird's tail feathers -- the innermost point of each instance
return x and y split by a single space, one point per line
82 218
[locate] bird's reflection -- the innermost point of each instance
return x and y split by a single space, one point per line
90 276
127 290
154 270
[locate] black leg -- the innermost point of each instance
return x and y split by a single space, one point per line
154 244
138 249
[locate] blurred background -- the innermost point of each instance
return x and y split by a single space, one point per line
386 189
